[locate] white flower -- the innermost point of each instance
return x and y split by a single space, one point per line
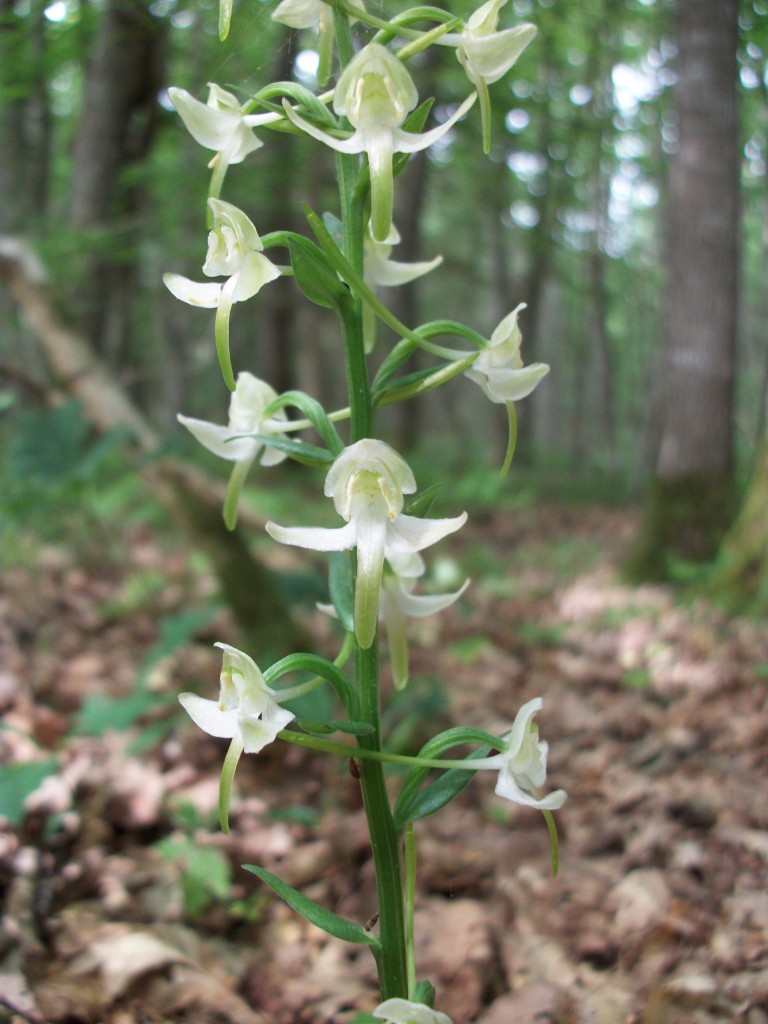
245 712
382 272
403 1011
523 763
375 93
397 602
499 370
235 251
246 416
485 54
220 124
367 482
306 13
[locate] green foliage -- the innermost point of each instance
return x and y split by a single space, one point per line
333 924
17 782
206 875
61 483
101 713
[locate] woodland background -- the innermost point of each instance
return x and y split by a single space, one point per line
625 556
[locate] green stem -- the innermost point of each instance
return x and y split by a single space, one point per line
410 905
393 960
404 760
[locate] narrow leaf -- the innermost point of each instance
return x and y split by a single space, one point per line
437 794
421 505
299 450
335 925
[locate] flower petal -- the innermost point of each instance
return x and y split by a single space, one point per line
213 127
208 715
491 56
403 1011
407 142
220 440
317 538
371 537
508 787
409 533
256 733
195 293
354 144
256 271
390 273
419 605
509 385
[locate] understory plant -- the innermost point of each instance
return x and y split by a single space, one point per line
373 120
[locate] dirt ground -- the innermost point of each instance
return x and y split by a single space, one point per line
123 902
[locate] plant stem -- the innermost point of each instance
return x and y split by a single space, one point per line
393 971
385 846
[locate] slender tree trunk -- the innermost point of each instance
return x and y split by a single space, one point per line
742 570
691 501
116 130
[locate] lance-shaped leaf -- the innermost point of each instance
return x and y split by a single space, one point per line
335 925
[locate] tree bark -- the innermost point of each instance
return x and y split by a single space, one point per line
691 500
741 573
116 129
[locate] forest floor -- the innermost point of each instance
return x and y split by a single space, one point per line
124 903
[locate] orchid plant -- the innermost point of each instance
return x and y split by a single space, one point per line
372 120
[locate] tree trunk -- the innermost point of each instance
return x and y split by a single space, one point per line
116 129
741 574
691 499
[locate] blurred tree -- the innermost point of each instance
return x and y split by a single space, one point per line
692 497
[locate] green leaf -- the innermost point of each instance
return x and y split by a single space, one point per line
17 782
335 925
341 582
314 412
301 451
314 274
413 802
422 503
100 713
437 794
425 993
